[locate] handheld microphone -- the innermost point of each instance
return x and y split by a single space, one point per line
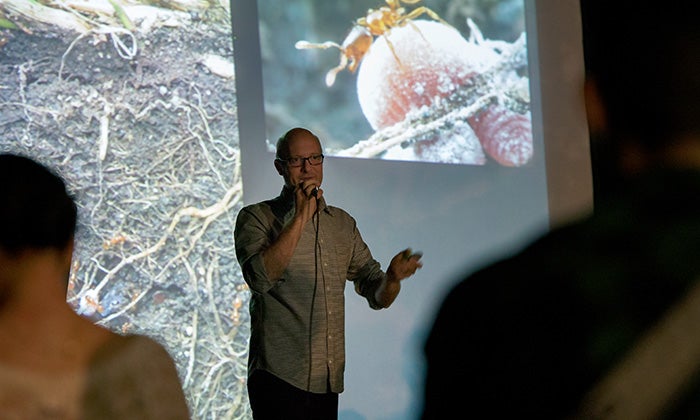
314 192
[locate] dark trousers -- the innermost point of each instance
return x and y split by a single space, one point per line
274 399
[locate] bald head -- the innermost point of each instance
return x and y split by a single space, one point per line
284 141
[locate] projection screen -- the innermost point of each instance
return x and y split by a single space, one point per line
161 117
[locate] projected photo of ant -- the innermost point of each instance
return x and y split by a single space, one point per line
409 80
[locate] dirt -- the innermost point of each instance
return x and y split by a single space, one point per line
149 147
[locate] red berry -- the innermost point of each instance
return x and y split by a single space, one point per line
412 71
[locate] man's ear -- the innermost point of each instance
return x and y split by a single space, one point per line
595 108
280 167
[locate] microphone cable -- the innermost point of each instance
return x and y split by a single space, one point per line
317 216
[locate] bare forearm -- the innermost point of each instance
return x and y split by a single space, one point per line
404 264
388 291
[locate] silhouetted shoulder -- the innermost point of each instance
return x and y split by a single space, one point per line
134 377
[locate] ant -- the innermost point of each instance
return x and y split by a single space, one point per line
376 23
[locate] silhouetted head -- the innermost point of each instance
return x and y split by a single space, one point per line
642 87
36 212
644 58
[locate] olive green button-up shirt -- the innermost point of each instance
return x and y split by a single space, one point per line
298 321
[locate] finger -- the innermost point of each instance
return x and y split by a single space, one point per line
309 189
301 188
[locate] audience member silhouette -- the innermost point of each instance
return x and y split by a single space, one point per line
55 364
533 335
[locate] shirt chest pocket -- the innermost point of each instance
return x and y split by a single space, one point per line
339 258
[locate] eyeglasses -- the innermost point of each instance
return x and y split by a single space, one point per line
296 162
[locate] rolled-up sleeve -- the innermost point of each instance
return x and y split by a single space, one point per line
252 238
364 271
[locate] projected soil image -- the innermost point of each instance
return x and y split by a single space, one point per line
135 106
